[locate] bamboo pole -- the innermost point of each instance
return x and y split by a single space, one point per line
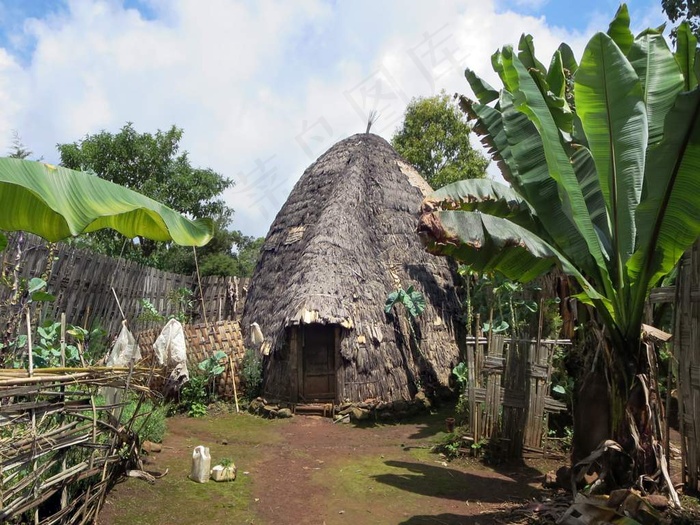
199 283
29 344
233 380
64 490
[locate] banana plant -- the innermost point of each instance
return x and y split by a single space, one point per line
56 203
603 161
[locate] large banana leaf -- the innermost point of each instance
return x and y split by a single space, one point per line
668 219
619 29
490 244
486 196
686 51
660 76
610 104
564 212
56 203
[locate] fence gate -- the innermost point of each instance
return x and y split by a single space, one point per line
508 391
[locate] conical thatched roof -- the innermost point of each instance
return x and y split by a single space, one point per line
343 241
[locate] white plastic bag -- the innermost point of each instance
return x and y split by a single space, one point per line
125 349
124 352
170 350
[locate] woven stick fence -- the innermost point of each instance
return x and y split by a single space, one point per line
687 353
202 341
508 391
60 450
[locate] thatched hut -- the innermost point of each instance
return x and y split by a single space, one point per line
344 240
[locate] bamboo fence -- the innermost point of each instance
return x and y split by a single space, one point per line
60 449
87 286
687 354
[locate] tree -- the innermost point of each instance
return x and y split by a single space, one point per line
152 165
435 139
605 188
683 10
18 149
229 253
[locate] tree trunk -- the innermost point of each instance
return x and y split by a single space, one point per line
618 401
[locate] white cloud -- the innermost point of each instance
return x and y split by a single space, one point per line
260 88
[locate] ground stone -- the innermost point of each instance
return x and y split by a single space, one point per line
284 413
359 414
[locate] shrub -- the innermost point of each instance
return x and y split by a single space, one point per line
194 393
252 373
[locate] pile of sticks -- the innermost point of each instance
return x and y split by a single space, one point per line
61 447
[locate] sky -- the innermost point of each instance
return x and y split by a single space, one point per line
261 88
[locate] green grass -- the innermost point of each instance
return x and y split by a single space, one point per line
176 499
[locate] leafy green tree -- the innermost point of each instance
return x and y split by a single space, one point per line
228 253
606 189
435 139
154 166
683 10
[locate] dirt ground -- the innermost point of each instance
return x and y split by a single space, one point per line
308 470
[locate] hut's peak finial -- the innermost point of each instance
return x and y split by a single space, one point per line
371 119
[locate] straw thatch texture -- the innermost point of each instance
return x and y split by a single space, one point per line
341 243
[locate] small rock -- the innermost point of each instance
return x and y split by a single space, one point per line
341 512
224 441
149 446
359 414
284 413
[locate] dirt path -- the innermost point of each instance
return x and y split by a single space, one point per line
307 470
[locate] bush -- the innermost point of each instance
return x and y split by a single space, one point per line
252 374
195 396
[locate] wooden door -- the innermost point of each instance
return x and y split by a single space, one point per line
318 363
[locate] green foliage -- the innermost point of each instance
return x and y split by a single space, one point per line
212 366
18 150
611 182
194 396
230 253
199 392
149 421
513 308
197 410
435 139
151 164
183 301
251 371
460 373
149 313
411 299
683 10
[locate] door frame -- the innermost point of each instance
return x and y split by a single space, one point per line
299 342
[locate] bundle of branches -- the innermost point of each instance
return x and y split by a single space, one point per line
61 446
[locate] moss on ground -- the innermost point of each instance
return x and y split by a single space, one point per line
175 498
